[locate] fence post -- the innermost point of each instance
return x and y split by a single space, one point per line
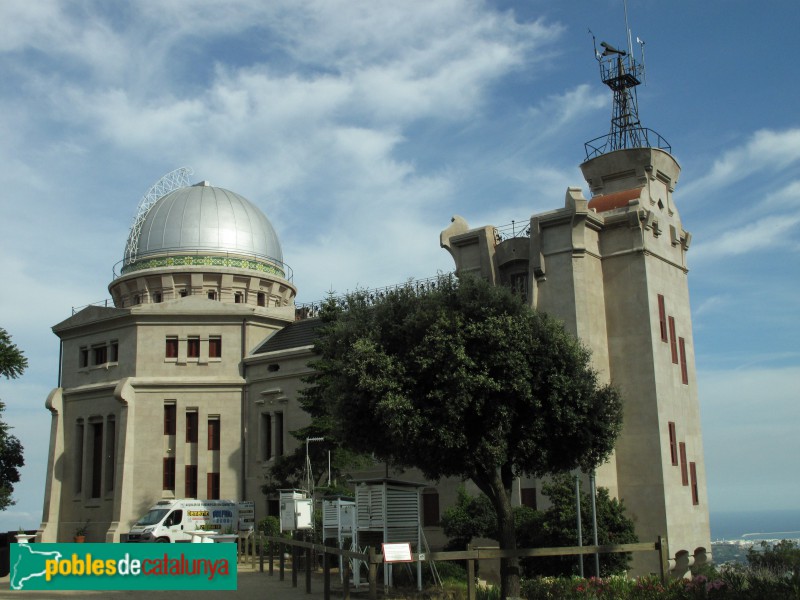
346 578
294 565
309 558
470 577
281 559
261 553
373 575
663 558
326 575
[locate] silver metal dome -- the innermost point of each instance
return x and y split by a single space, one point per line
201 219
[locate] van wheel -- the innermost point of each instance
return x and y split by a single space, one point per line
162 540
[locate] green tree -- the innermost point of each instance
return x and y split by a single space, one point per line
558 527
463 381
781 558
12 364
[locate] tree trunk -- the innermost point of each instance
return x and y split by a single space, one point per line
495 488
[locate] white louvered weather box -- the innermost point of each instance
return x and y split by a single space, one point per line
296 510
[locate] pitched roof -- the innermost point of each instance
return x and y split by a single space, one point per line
295 335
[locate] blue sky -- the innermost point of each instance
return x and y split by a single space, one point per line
361 127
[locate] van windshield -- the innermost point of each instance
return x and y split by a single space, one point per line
153 517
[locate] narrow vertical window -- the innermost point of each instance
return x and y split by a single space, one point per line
190 477
156 297
673 443
84 357
169 419
673 345
662 317
212 295
212 486
266 436
684 370
278 434
79 434
114 351
168 478
215 347
262 299
693 473
213 433
238 297
110 453
430 508
100 355
193 347
172 347
684 472
97 460
191 427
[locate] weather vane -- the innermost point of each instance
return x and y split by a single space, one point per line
622 73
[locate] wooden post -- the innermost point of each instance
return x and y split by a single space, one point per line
470 577
309 558
282 560
663 558
373 575
326 576
346 578
261 553
294 566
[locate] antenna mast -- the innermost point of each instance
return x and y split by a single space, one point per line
620 71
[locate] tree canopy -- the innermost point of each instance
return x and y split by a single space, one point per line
463 381
12 364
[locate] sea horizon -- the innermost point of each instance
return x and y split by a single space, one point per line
755 525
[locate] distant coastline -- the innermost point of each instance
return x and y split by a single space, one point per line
755 525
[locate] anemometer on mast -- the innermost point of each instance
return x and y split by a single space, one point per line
622 73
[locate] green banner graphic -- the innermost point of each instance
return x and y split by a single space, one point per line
123 567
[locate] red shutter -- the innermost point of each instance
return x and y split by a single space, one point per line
673 443
662 317
672 343
693 472
684 370
168 479
169 419
684 473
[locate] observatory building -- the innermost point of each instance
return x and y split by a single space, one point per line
188 384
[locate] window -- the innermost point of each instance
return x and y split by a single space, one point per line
84 357
172 347
168 478
278 434
519 285
672 343
662 317
215 347
528 497
114 351
97 459
156 297
266 436
183 293
212 486
79 430
684 474
193 347
238 297
137 300
684 370
430 508
262 299
673 443
169 418
693 473
100 355
191 427
110 453
213 433
212 295
190 478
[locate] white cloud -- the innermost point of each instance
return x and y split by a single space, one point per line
771 233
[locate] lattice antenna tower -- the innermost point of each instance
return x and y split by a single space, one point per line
172 181
622 73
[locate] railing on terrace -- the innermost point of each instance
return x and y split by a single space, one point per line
514 229
278 547
308 310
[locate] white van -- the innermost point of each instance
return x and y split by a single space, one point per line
175 520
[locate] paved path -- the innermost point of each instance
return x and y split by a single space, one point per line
251 584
